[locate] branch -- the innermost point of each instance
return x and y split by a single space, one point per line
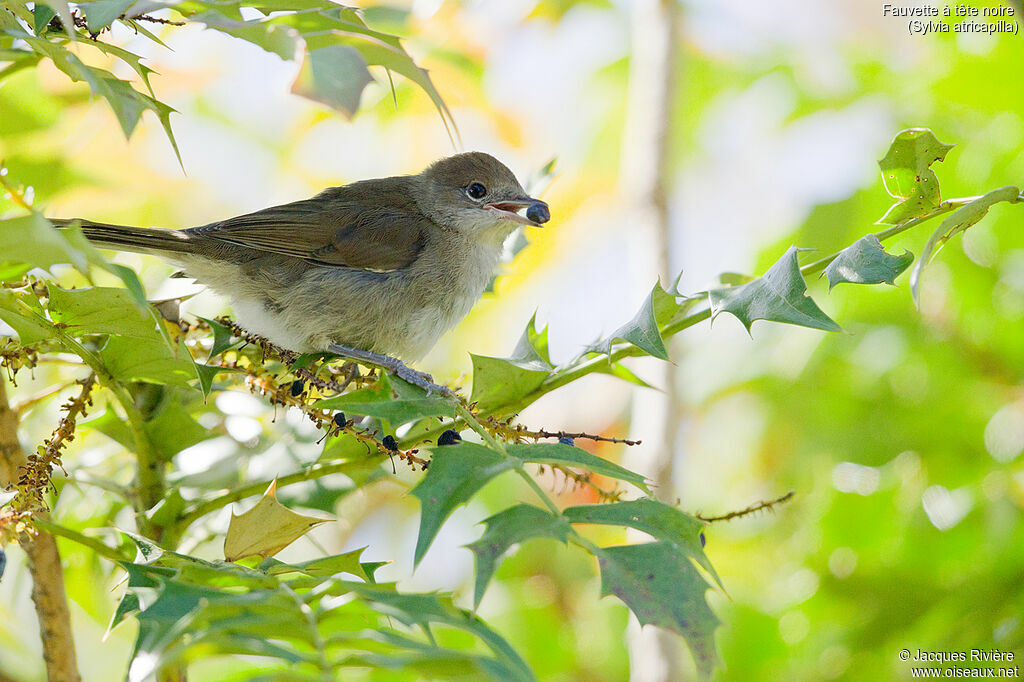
588 366
752 509
43 563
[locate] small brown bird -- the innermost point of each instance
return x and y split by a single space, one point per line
371 270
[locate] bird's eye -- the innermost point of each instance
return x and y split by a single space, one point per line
476 191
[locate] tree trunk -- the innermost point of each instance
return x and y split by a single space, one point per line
43 563
645 179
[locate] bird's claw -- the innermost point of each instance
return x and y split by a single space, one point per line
423 380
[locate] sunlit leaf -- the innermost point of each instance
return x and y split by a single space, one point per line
134 359
266 529
31 239
963 218
500 381
102 310
18 313
778 296
643 330
323 566
866 262
907 174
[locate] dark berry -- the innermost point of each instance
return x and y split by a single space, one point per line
538 212
297 388
449 437
390 444
339 419
566 440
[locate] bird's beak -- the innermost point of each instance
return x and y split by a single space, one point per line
537 211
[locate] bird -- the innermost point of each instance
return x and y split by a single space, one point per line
375 271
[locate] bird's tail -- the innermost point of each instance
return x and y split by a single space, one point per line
126 238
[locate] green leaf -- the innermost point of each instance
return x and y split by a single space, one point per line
102 310
643 330
907 174
662 587
273 37
342 26
657 519
506 528
113 427
963 218
456 473
223 337
398 403
101 13
63 10
502 381
570 456
74 236
31 239
531 351
20 315
133 359
866 262
334 75
41 15
778 296
173 429
617 369
423 609
324 566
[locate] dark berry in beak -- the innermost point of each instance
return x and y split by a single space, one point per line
538 212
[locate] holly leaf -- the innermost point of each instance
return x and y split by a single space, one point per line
657 519
643 331
506 528
102 310
334 75
19 313
963 218
152 360
571 456
266 529
866 262
456 473
908 177
662 587
322 567
223 337
101 13
395 402
777 296
31 239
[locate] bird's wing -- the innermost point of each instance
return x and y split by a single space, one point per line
329 231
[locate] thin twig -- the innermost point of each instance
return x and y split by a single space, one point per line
752 509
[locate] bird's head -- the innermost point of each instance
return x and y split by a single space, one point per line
474 192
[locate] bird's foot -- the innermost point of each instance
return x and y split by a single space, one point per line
393 366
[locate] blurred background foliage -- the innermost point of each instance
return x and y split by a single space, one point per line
901 438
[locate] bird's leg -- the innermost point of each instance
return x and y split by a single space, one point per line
392 366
